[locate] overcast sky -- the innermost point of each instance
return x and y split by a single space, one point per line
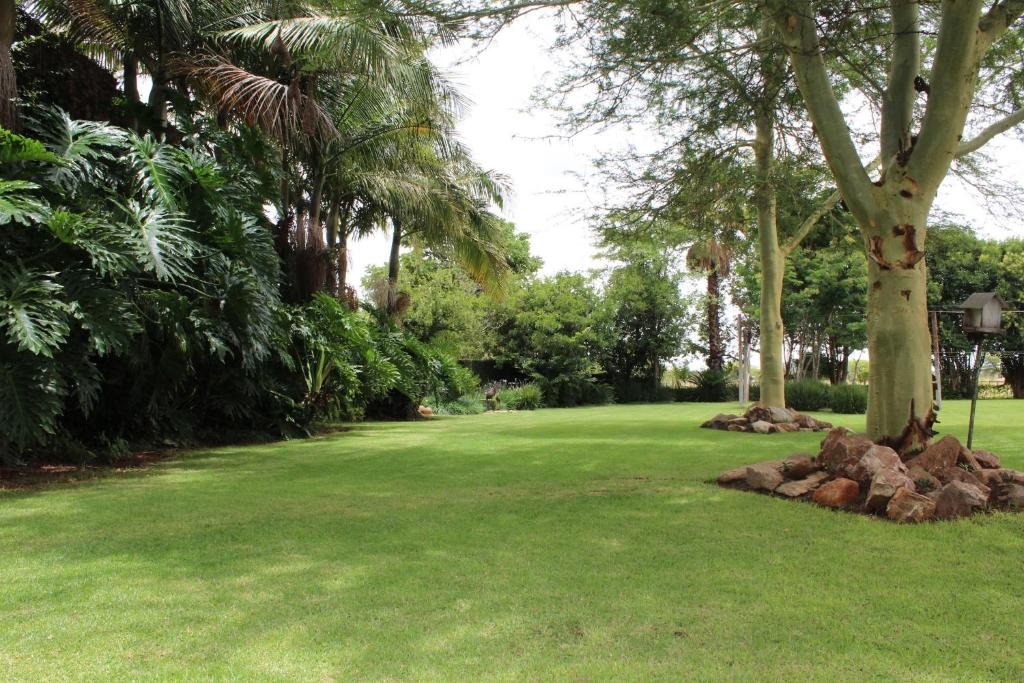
549 176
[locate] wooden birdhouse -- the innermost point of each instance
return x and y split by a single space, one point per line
983 313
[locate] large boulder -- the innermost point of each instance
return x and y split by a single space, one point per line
763 427
924 481
781 415
787 426
731 477
719 421
957 499
764 477
987 460
884 485
908 506
1009 496
801 487
968 461
959 474
841 448
937 457
758 414
874 459
837 493
799 466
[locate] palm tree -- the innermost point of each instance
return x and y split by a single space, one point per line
8 80
713 258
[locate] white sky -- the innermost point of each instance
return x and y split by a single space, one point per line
550 176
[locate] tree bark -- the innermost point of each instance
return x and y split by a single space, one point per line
8 78
1013 373
899 338
773 373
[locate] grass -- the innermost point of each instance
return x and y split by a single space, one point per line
552 545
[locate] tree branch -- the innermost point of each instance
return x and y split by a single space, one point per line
795 21
982 138
998 20
954 73
898 101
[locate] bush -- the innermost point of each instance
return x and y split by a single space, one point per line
468 404
808 394
849 399
567 391
713 386
526 397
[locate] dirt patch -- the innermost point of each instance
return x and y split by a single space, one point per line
42 474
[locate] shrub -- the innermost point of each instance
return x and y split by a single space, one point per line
849 399
468 404
808 394
526 397
713 386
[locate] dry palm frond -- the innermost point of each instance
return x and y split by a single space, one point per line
280 109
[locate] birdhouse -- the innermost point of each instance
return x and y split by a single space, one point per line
983 313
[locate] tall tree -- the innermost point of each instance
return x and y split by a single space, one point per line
8 79
892 211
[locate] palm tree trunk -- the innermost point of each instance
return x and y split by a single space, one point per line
393 265
8 79
716 359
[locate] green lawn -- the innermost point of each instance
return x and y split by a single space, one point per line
558 545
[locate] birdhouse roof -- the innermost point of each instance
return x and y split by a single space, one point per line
980 300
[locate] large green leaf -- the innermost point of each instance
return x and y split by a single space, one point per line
31 310
17 205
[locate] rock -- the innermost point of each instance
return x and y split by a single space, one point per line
741 421
762 427
990 478
957 499
837 493
1010 496
738 428
799 466
806 421
733 476
840 448
967 460
923 480
780 415
959 474
758 414
937 457
1014 475
884 485
764 477
907 506
987 460
875 459
787 426
424 411
801 487
719 421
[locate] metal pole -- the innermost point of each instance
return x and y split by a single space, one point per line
974 397
937 353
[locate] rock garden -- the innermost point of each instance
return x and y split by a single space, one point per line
763 420
854 474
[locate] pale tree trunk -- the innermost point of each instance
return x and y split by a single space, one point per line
8 79
773 373
899 339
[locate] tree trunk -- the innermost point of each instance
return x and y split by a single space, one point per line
393 265
773 374
899 338
716 355
1013 373
8 78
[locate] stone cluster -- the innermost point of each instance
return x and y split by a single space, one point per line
762 420
852 473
